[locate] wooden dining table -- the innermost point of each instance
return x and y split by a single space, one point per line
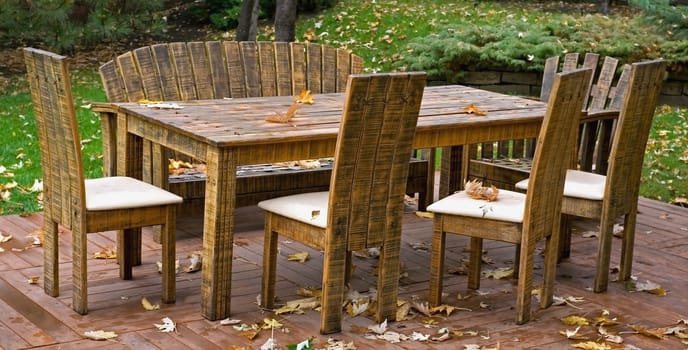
227 133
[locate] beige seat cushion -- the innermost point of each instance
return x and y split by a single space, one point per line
579 184
509 206
119 192
309 208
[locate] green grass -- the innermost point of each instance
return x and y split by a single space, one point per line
379 32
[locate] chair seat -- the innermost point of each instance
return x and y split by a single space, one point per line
309 208
509 206
120 192
579 184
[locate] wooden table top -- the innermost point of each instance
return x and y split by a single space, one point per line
236 122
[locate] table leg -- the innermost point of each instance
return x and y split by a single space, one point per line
218 231
452 170
129 163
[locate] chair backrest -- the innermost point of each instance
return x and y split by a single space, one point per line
58 136
632 132
372 158
226 69
558 132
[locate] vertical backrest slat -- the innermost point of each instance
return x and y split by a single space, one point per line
590 61
131 77
218 69
329 69
570 62
371 157
314 68
283 71
600 91
550 70
200 68
299 67
112 82
150 78
342 70
184 69
268 71
235 70
167 73
252 74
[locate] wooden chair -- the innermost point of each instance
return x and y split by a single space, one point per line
515 217
364 205
606 198
505 163
93 205
229 69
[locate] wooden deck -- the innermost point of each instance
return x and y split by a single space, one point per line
30 318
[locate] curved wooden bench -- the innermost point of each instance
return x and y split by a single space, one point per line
182 71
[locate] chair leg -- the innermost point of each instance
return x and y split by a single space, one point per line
550 269
475 263
388 281
604 249
51 264
627 245
525 282
269 265
437 262
167 237
126 254
79 274
565 237
334 262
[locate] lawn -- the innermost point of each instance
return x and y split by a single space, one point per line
379 32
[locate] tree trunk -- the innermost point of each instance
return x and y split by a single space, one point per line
604 6
247 30
285 20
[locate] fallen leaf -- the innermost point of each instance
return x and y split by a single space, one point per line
229 321
194 263
574 320
5 238
167 325
499 273
304 97
650 287
650 332
475 190
270 323
573 334
279 117
34 279
99 335
176 266
107 253
147 305
473 109
424 214
591 345
300 257
379 328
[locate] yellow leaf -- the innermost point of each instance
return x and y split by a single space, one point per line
304 97
573 334
107 253
300 257
33 279
574 320
279 117
357 307
147 305
424 214
499 273
271 323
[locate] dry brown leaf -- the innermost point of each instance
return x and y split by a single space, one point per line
424 214
499 273
5 238
473 109
475 190
651 332
279 117
650 287
34 279
107 253
304 97
573 334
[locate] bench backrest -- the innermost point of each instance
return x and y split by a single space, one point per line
183 71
